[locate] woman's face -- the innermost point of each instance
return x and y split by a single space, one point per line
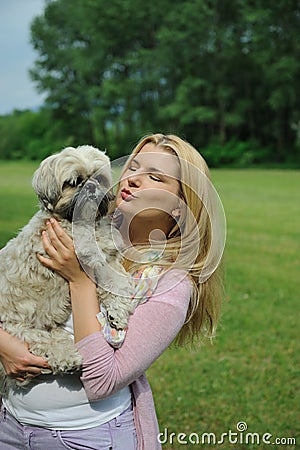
149 188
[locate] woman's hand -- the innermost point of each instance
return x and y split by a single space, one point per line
62 258
61 253
17 360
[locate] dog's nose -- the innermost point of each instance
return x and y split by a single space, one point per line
91 187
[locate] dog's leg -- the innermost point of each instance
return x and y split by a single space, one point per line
60 352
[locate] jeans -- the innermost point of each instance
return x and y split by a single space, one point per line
117 434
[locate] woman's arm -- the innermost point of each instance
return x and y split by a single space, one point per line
152 327
16 358
85 307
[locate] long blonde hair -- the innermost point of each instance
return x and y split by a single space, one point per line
189 243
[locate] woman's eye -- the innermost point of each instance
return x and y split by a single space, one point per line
153 177
131 168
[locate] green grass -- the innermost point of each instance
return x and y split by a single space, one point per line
251 373
18 201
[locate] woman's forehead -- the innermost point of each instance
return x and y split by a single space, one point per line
156 159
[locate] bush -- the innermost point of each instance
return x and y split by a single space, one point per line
30 135
235 154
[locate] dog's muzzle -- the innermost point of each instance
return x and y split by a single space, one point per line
92 201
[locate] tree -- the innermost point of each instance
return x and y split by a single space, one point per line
95 67
275 49
214 71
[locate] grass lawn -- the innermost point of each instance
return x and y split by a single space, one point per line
18 201
251 373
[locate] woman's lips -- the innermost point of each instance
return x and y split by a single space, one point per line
126 195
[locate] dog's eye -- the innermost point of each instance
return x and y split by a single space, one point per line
73 183
78 181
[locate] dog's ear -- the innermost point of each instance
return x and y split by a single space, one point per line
45 184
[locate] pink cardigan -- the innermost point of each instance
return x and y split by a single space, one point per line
152 328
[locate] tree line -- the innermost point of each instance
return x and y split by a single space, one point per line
224 74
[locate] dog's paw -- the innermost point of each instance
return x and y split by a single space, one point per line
62 356
69 364
117 316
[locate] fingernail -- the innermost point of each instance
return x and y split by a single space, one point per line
46 371
52 220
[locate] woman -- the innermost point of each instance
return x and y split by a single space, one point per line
165 209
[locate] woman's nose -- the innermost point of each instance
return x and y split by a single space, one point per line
134 180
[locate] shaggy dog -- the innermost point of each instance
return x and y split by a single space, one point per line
72 186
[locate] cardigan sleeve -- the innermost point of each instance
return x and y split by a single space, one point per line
152 327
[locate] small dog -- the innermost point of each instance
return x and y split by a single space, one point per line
72 186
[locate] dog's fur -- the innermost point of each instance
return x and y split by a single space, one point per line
34 300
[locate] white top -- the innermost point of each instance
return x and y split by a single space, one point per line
60 402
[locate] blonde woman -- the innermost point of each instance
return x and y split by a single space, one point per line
173 229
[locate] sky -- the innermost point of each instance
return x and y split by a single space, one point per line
17 55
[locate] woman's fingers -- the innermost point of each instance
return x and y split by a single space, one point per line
37 362
47 262
58 235
32 372
61 256
48 243
57 244
53 241
33 366
55 238
30 366
49 249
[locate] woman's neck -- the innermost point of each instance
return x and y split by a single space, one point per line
141 232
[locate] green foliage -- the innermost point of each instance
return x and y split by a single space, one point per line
31 135
211 71
236 154
223 74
